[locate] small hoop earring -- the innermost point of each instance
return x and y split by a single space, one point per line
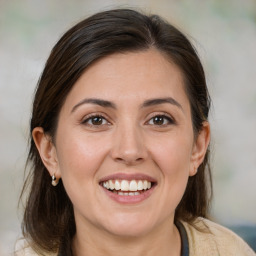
54 181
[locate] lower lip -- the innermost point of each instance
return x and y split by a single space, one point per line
122 199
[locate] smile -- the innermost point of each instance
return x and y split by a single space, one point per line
127 188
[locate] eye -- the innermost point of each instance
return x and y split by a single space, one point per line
95 120
161 120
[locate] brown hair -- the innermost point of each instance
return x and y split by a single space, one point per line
48 218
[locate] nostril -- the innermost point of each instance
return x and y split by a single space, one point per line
127 148
129 161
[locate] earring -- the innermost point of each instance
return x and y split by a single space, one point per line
54 180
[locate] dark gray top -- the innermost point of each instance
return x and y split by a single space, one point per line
184 239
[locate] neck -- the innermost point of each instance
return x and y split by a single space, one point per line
163 241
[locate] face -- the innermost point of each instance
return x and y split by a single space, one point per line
124 145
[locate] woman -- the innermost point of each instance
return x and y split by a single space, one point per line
119 145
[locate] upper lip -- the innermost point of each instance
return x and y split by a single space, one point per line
128 176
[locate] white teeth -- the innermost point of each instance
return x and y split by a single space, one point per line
117 185
111 185
127 193
125 185
140 185
145 184
106 185
133 186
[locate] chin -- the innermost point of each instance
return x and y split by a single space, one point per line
129 227
129 231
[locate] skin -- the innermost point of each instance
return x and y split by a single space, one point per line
128 140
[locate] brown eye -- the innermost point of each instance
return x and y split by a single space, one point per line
95 121
160 120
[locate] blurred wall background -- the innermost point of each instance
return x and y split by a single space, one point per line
223 31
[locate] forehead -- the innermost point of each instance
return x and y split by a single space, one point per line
129 76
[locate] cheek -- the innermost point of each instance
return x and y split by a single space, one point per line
77 158
174 164
173 154
79 166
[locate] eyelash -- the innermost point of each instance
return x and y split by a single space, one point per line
167 120
89 119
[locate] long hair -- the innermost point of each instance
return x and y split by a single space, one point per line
48 218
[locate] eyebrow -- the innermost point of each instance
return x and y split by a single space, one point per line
109 104
158 101
100 102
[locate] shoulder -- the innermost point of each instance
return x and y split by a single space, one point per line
23 249
26 251
208 238
29 252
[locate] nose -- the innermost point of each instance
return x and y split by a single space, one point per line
128 145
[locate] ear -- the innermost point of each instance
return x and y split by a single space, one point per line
199 148
47 151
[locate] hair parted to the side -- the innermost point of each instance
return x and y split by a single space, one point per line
48 218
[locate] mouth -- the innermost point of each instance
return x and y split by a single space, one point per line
127 187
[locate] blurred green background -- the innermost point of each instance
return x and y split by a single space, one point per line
224 33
